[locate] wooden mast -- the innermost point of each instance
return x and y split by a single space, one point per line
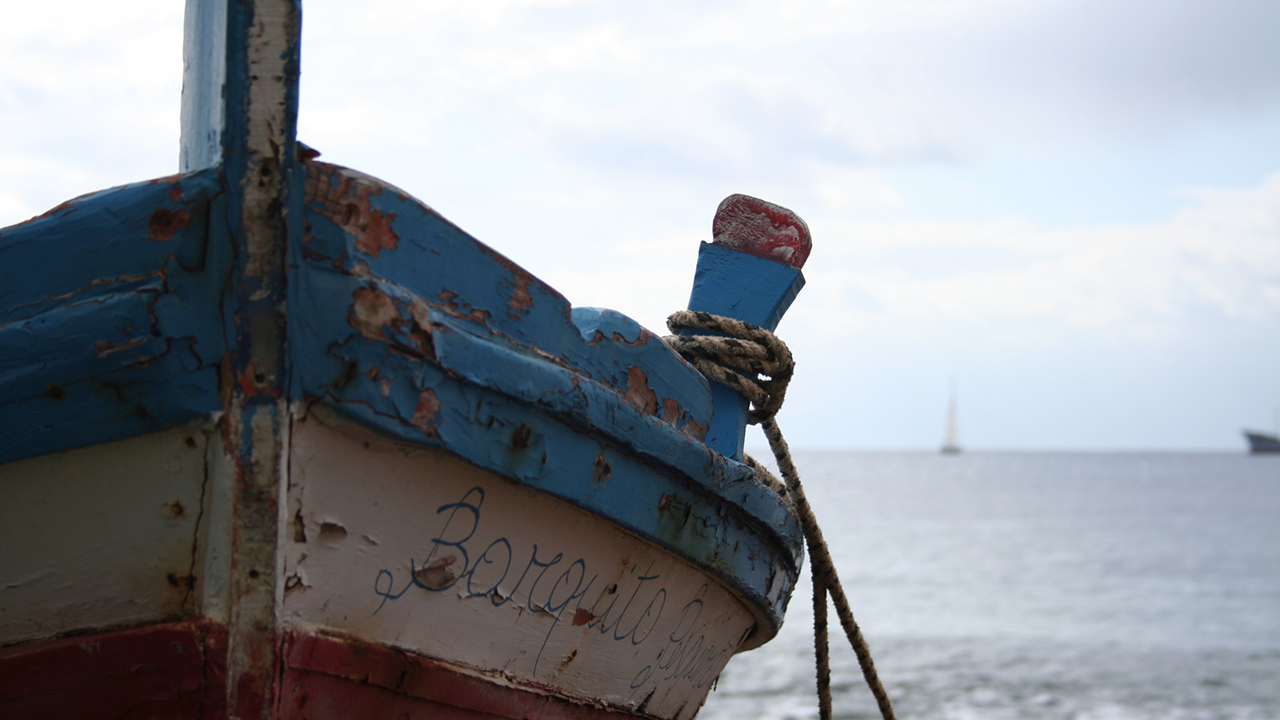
239 111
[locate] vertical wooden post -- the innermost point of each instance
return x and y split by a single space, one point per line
751 272
204 73
240 95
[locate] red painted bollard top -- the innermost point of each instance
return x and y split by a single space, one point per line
762 229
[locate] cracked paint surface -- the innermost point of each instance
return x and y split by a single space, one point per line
186 326
121 334
129 338
392 329
499 579
115 541
132 336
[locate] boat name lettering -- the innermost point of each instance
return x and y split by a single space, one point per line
628 610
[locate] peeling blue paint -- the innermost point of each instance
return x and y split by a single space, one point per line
722 274
398 320
718 284
109 317
494 366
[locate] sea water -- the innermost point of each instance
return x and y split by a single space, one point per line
1029 585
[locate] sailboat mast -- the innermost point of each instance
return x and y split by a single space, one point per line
949 445
951 421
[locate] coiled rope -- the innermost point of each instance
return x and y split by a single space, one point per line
756 363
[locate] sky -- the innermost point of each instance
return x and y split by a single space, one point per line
1066 210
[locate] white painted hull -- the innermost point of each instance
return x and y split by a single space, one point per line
389 544
509 582
102 536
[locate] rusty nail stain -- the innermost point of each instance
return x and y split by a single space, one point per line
188 581
56 392
521 437
601 470
176 509
165 223
190 441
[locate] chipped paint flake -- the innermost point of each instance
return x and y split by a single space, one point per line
694 430
346 201
670 411
104 348
375 234
371 311
427 414
521 300
166 223
639 394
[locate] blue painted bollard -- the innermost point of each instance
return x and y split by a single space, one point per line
750 272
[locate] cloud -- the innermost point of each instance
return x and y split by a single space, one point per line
1219 255
89 97
921 140
920 295
1069 72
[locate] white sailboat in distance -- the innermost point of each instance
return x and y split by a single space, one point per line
949 445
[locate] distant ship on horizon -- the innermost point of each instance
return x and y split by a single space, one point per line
1262 442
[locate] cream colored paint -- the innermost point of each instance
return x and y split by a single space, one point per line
90 537
214 550
372 512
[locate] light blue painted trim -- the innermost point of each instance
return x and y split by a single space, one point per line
734 284
204 75
496 368
531 421
744 287
85 246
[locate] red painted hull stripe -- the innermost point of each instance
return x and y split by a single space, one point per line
349 664
178 670
174 670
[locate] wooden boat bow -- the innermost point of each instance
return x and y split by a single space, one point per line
356 460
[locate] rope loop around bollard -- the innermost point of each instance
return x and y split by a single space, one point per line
746 357
757 364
